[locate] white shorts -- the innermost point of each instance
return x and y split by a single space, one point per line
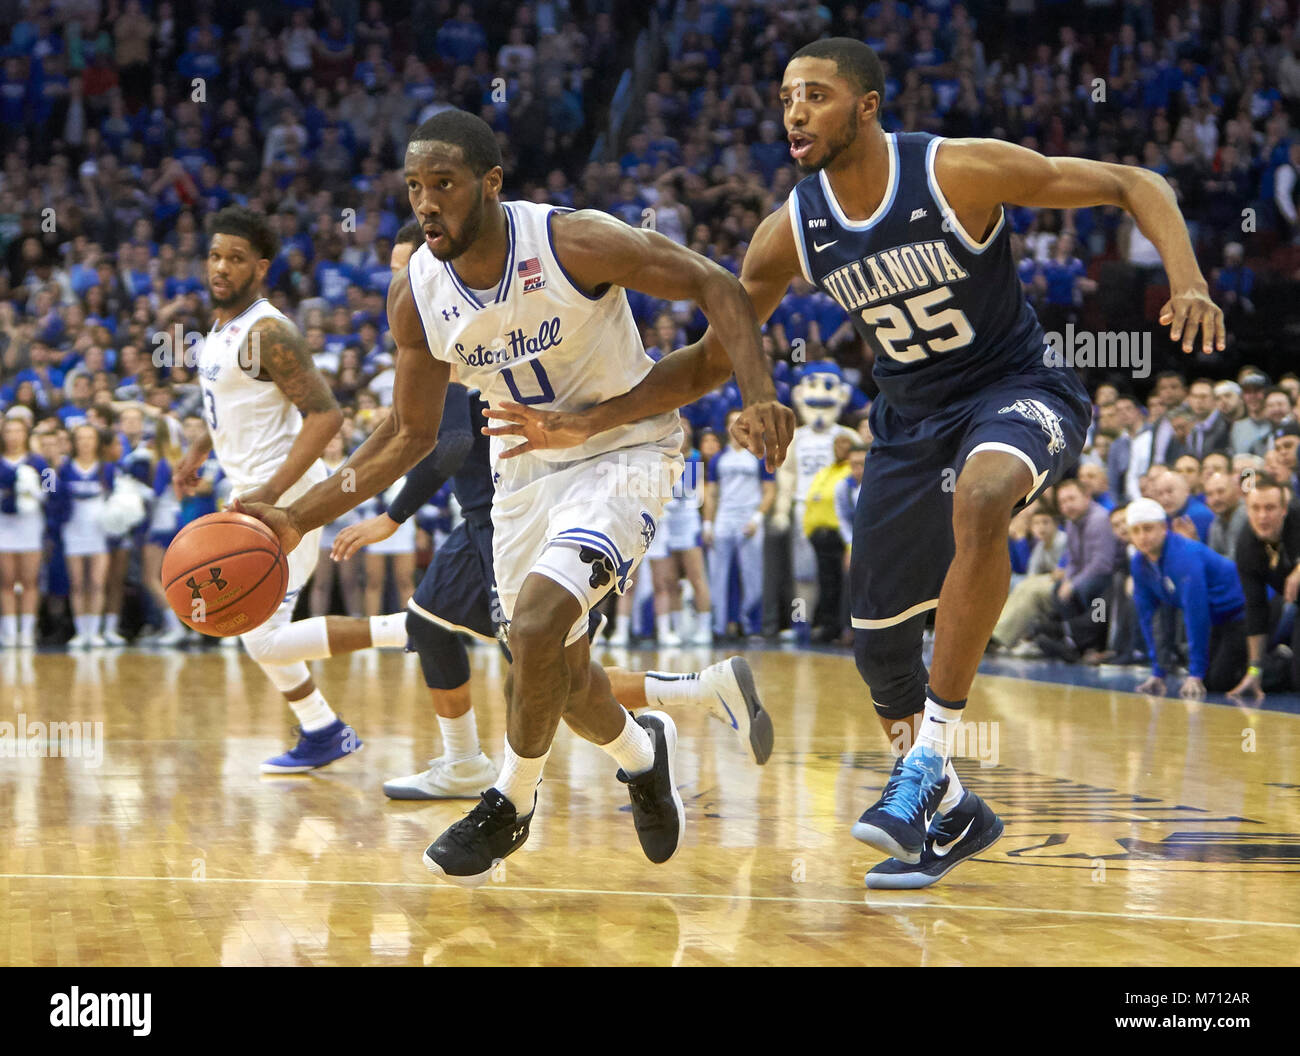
21 533
401 541
584 524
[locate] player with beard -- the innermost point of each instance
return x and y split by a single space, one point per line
907 232
527 302
269 415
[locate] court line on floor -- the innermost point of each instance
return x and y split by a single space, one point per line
690 895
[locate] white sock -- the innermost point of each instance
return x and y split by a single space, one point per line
27 624
459 735
519 778
938 727
8 626
666 688
110 622
953 796
664 624
92 623
389 631
313 712
171 622
632 749
83 625
680 622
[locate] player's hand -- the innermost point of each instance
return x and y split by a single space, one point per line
275 518
1248 686
1153 686
765 430
1291 588
185 478
1192 689
351 539
1190 309
1065 589
541 430
263 495
1186 527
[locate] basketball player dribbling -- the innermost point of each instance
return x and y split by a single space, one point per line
270 415
457 596
533 309
906 231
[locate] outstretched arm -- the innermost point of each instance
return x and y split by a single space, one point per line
978 175
690 372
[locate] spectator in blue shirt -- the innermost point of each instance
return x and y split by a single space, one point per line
1172 571
461 39
1186 513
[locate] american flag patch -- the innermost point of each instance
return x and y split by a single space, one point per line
530 271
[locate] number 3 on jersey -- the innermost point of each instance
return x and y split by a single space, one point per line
210 405
892 328
546 395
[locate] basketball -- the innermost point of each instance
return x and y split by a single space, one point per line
224 574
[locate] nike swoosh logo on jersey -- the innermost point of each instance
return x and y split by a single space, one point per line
734 724
819 246
941 849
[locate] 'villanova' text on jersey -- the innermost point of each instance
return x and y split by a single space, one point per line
943 314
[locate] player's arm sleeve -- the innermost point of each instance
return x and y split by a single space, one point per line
455 441
1146 602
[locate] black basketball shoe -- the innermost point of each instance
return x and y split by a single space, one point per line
657 807
469 850
967 829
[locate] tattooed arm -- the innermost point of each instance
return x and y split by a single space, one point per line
284 360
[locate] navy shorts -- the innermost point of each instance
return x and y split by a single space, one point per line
902 527
458 590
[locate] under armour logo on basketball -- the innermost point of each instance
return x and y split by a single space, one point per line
449 313
602 569
213 580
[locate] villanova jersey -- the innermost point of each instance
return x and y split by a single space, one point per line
472 484
253 424
944 315
537 339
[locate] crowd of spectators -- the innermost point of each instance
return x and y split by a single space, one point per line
126 123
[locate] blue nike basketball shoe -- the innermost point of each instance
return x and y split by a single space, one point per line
896 824
316 749
967 829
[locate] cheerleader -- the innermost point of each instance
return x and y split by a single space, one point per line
164 523
23 481
398 547
347 572
676 554
84 483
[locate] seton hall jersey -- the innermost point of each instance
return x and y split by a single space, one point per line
537 339
945 315
253 424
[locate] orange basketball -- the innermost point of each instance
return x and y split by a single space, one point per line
224 574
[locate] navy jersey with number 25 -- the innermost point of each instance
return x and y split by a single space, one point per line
944 315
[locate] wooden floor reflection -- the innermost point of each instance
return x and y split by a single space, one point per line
1138 832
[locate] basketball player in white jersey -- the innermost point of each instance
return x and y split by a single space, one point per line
527 302
270 415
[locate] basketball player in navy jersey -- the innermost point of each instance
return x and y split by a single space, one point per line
907 232
527 301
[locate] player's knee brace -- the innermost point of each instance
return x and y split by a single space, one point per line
889 661
288 643
442 654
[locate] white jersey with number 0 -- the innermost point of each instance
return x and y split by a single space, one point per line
537 339
253 423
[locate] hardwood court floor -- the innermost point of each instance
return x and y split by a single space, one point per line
1138 832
